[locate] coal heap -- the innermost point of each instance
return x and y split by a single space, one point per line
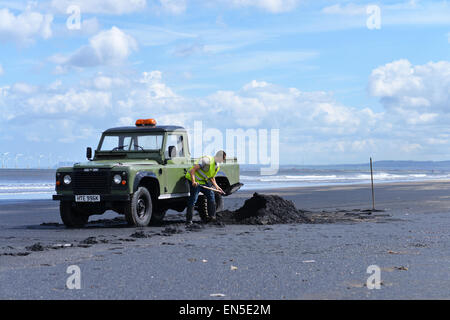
264 209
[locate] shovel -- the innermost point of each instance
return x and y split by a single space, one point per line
213 189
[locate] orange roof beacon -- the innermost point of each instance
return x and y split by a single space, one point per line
145 122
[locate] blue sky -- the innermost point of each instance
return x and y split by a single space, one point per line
338 91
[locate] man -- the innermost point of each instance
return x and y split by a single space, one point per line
203 174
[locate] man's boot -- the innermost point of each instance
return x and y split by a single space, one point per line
211 210
189 215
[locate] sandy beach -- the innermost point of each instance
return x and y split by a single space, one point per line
408 238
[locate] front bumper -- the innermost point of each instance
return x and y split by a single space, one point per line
103 198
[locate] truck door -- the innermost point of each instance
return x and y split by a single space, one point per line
177 163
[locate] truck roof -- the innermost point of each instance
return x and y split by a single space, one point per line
144 129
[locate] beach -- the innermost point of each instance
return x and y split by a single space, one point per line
407 237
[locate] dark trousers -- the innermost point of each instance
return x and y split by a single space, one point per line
209 194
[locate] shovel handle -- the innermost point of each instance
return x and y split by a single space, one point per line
215 190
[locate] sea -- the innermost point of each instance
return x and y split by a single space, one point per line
32 184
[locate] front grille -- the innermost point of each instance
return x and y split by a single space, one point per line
91 182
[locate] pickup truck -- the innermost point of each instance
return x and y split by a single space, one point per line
138 171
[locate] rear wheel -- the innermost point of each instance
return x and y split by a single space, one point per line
138 211
202 206
158 216
71 216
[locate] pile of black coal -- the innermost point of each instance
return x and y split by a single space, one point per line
36 247
170 231
139 234
264 209
89 240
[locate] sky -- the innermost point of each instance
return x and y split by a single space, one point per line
342 81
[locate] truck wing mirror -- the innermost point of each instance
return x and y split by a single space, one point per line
89 153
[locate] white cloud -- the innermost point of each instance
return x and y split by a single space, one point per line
400 13
71 103
415 119
113 45
23 88
348 9
108 47
14 5
255 84
259 60
108 83
173 6
417 103
126 121
273 6
149 95
410 147
112 7
1 70
25 27
25 100
424 89
90 26
390 79
257 104
148 35
155 86
58 114
353 9
55 85
261 104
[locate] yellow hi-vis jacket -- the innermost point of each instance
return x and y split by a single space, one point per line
201 176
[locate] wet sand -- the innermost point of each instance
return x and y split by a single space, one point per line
408 239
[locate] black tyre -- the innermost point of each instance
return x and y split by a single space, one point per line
202 206
71 216
138 211
158 216
219 202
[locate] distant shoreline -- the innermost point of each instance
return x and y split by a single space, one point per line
380 164
30 184
292 190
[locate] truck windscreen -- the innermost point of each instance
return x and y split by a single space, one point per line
131 142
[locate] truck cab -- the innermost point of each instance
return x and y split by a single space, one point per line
138 171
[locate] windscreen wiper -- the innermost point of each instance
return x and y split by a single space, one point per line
119 148
139 147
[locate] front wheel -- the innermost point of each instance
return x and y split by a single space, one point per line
138 211
71 216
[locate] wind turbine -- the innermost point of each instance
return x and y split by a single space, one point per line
49 160
28 162
59 160
17 157
39 160
4 156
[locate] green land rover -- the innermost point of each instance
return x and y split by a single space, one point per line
136 171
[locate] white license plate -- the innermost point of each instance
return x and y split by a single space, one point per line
87 198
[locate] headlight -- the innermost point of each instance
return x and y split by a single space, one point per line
117 179
67 179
